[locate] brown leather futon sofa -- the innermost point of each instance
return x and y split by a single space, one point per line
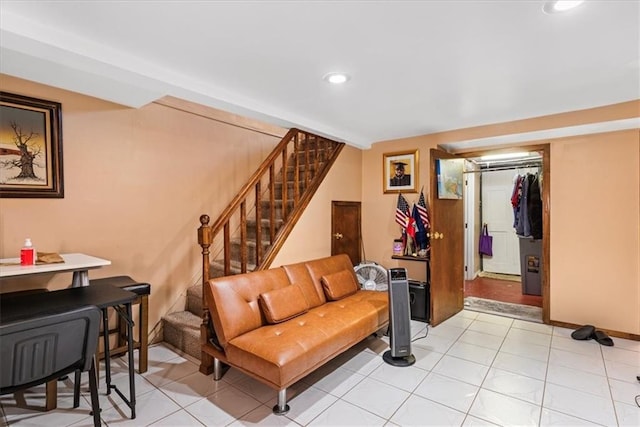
281 324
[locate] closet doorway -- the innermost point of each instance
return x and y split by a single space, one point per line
495 284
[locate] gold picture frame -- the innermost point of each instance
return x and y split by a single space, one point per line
400 172
30 147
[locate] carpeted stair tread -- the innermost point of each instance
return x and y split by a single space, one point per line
194 300
217 268
181 329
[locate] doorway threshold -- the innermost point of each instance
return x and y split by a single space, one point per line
505 309
501 276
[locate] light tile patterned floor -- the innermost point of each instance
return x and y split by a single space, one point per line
475 369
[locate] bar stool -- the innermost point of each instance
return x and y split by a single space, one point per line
142 290
38 348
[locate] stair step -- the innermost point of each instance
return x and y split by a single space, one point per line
236 249
251 243
277 206
278 186
182 330
217 268
194 300
277 203
301 172
251 228
302 164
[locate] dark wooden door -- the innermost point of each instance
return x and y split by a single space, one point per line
447 249
345 229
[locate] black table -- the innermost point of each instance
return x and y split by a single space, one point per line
15 308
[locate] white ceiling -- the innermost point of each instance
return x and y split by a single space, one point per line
416 67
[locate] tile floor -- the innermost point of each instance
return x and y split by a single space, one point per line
475 369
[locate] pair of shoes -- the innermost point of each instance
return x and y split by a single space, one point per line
603 338
588 332
585 332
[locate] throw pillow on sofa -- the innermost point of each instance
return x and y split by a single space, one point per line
283 304
339 285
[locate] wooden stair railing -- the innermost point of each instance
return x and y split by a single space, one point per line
301 161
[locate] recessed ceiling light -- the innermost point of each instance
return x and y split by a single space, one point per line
559 6
336 78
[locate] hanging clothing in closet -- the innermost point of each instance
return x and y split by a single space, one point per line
527 206
535 207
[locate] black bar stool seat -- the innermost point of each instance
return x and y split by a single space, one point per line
142 290
23 292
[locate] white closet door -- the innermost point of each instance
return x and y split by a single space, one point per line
497 212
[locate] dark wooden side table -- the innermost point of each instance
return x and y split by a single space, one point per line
25 306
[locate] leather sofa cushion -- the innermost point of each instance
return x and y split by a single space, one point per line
329 265
299 274
233 301
283 304
339 285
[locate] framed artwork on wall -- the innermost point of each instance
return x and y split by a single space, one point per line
30 147
400 172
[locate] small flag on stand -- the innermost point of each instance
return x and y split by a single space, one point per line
422 210
411 227
421 232
402 211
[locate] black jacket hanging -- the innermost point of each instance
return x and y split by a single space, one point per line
522 225
534 207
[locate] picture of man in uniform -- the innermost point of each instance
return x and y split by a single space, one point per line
400 178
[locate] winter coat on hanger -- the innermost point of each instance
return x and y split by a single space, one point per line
535 208
515 198
523 226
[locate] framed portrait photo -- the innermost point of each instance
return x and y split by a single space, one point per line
400 172
30 147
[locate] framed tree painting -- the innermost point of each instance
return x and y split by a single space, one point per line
400 172
30 147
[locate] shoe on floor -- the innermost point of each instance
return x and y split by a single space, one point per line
603 338
585 332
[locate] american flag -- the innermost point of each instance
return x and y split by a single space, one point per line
402 211
422 210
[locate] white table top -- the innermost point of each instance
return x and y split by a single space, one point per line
72 262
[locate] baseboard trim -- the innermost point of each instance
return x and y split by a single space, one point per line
610 332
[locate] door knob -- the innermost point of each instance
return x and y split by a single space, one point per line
435 235
338 236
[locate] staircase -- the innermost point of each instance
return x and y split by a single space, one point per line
252 229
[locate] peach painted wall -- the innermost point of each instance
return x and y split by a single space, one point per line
136 182
595 231
594 208
311 237
378 209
